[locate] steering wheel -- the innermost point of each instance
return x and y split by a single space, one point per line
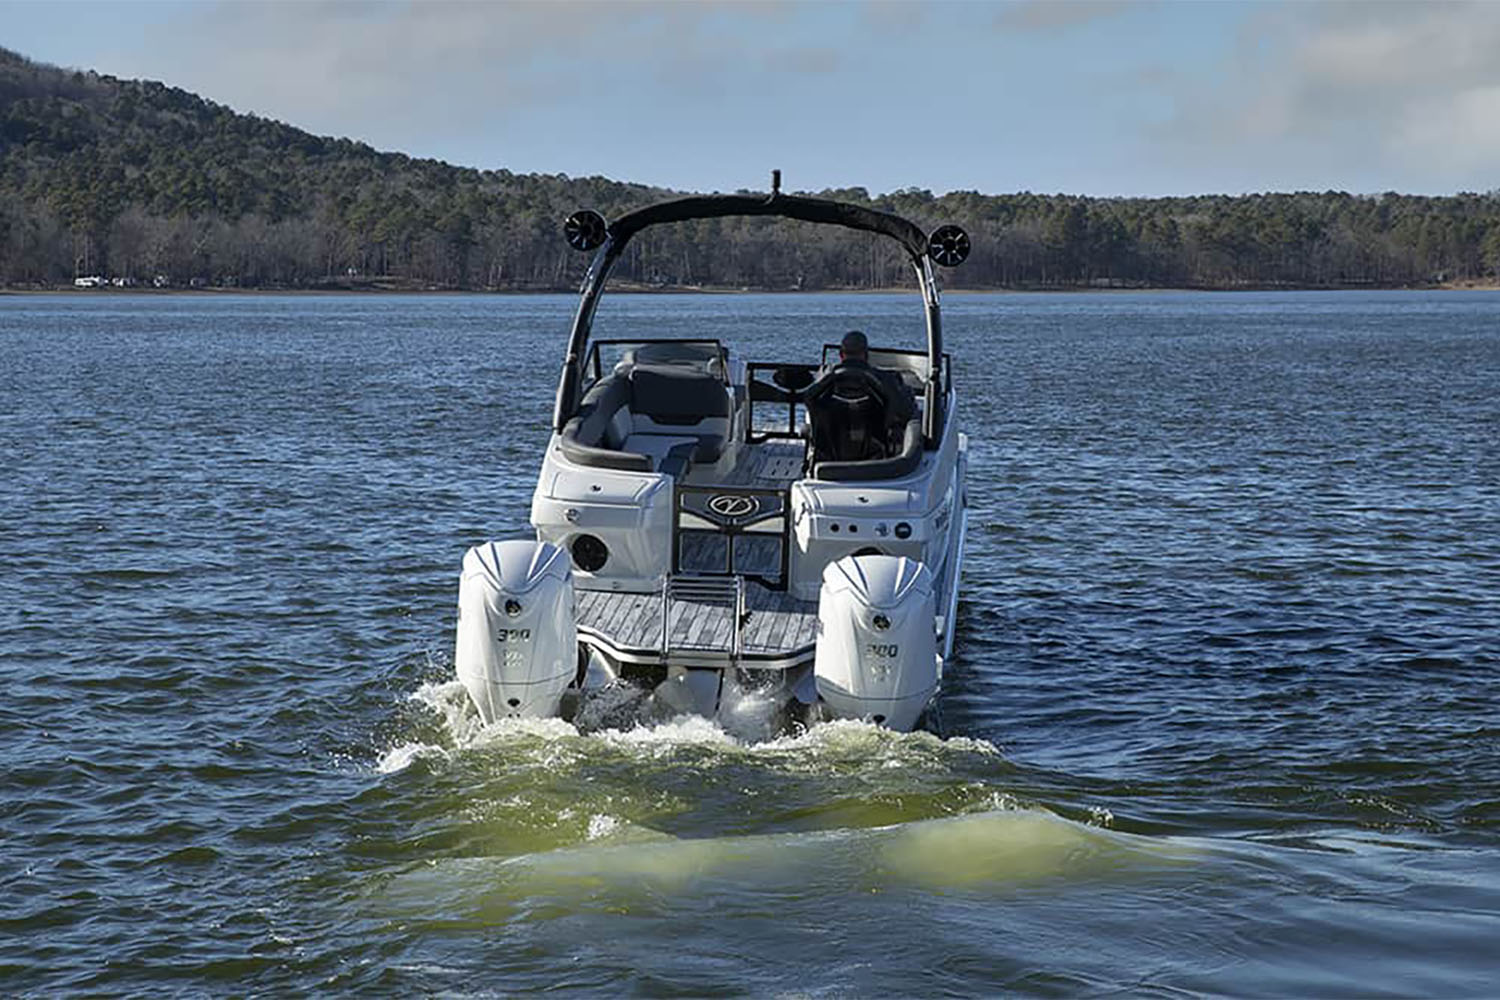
863 379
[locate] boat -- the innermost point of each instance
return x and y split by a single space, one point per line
708 525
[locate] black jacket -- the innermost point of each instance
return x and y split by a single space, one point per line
902 403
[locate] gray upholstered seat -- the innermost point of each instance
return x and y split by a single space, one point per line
672 394
897 466
625 421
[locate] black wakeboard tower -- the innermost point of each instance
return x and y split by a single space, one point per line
587 230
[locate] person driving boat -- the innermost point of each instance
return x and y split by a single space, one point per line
857 410
854 352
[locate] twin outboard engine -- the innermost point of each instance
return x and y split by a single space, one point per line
517 650
876 657
517 636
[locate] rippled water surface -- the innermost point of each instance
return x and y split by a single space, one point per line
1223 718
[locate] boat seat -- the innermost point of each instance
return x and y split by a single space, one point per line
668 453
678 461
676 394
589 438
644 408
681 401
897 466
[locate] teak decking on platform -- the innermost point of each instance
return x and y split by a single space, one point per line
699 610
776 624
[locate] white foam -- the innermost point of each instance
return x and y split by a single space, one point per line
451 701
512 730
399 758
602 825
851 734
746 723
684 730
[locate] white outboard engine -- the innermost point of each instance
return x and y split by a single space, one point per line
877 649
517 639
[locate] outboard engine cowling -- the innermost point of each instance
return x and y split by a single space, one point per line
517 647
877 650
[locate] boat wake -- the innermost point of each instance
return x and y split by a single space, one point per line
639 870
620 809
624 716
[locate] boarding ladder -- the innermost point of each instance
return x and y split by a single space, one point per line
701 616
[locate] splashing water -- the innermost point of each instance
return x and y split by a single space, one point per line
619 716
565 815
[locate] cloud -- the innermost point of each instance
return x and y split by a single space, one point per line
1058 15
1458 135
393 70
433 74
1377 88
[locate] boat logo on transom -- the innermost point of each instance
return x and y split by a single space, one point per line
733 505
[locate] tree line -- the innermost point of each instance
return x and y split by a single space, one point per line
145 182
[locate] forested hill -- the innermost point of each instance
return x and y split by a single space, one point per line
135 179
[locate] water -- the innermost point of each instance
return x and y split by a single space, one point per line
1223 718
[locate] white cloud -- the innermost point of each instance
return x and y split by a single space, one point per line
1373 89
1459 135
471 80
338 56
1047 95
395 73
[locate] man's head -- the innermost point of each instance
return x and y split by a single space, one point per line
854 347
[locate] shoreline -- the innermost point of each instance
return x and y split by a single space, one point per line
628 289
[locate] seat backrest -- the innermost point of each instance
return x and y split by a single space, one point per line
848 422
676 394
592 436
598 409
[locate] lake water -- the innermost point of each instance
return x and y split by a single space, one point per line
1223 718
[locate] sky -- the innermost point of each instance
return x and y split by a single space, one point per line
1135 97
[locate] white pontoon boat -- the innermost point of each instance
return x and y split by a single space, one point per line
787 525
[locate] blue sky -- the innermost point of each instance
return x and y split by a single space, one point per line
1137 97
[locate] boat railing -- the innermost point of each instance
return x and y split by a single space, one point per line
756 430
